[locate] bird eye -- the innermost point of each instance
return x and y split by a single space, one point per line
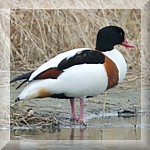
121 33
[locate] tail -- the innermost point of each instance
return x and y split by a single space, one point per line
25 76
37 89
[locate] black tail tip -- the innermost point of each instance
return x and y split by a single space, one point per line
17 99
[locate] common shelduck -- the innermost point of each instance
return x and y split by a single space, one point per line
79 73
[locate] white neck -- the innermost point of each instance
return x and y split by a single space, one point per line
120 62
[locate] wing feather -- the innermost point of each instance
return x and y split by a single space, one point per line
53 63
83 57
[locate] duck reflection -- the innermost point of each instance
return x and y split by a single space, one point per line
73 136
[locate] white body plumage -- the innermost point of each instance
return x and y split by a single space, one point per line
77 81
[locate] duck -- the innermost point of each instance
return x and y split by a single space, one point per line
79 73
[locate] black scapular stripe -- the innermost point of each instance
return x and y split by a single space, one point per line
83 57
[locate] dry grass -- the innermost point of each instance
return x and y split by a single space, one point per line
32 119
38 35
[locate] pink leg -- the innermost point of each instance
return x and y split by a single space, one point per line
73 112
81 118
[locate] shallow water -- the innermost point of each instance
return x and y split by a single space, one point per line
114 133
113 128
